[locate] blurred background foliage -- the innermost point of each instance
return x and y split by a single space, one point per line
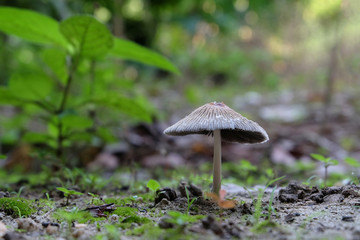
237 51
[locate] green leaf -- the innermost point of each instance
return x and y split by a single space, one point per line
125 105
34 137
333 162
32 86
153 185
76 122
68 192
6 97
106 135
352 162
64 190
319 157
89 37
31 26
56 60
131 51
274 180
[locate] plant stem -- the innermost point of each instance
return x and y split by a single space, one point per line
326 173
60 138
217 162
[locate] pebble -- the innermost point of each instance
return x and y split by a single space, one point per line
114 218
50 229
27 224
163 203
347 219
3 229
167 193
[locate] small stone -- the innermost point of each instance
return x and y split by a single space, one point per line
114 218
77 233
13 236
27 224
206 222
50 229
210 223
288 198
347 219
167 193
350 192
182 190
334 198
290 218
4 194
80 225
163 203
3 229
195 190
317 197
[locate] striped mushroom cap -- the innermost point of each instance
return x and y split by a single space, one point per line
205 119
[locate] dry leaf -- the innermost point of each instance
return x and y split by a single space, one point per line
220 200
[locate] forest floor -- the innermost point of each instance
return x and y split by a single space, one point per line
293 212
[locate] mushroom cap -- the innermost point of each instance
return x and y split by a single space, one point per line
212 116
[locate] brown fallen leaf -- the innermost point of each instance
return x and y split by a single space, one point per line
220 200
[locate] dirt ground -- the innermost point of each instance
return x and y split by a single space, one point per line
298 212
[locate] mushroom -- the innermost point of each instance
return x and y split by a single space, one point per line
223 123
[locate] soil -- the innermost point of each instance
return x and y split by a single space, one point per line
298 212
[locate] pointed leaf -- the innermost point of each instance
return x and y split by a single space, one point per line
153 185
31 26
131 51
89 37
76 122
125 105
352 162
33 86
318 157
56 60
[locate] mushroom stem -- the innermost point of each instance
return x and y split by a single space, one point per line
217 162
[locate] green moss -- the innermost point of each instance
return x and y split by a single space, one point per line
17 207
117 201
125 211
75 215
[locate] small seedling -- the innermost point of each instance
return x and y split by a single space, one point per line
68 193
355 164
258 209
327 163
189 202
153 185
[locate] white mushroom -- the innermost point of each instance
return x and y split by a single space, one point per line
223 123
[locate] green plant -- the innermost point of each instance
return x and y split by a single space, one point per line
258 204
69 93
352 162
68 193
74 215
153 185
189 202
327 163
16 206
